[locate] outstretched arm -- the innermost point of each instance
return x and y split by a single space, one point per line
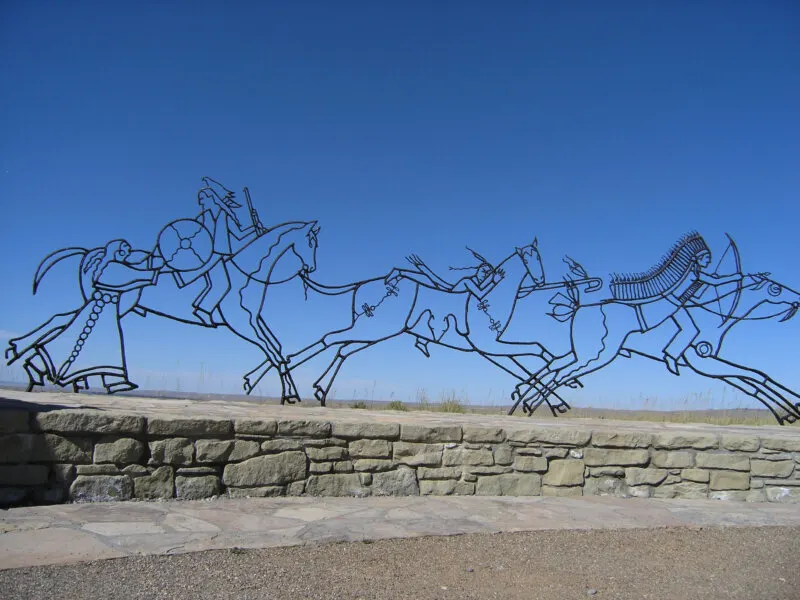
712 279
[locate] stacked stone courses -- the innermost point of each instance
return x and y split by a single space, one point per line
89 455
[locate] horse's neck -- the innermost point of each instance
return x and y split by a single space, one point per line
507 288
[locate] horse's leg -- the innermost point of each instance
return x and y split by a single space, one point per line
323 384
751 390
289 390
543 377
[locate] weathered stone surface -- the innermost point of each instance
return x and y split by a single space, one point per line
489 435
345 484
323 442
372 464
47 447
607 471
606 486
697 475
272 469
439 473
400 482
122 451
537 451
557 452
196 488
77 421
639 476
673 460
106 469
357 431
49 495
343 466
12 496
742 443
424 433
610 439
530 464
370 449
64 473
775 455
457 456
548 490
783 444
685 490
197 471
494 470
729 480
267 491
529 484
739 496
576 453
670 441
159 484
173 451
312 429
14 421
296 488
407 453
503 455
319 468
597 457
365 478
730 462
789 495
23 474
255 426
437 487
179 427
782 482
768 468
220 451
101 488
272 446
328 453
556 436
564 473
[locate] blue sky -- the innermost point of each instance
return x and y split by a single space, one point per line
606 129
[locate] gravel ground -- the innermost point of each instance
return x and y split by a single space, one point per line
747 563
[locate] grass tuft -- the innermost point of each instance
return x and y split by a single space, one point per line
396 405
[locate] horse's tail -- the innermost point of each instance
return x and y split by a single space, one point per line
51 260
332 290
565 305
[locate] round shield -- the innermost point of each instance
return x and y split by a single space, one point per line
185 244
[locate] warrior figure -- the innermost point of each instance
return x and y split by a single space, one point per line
483 279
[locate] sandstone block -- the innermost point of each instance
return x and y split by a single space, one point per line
696 475
158 484
180 427
728 480
370 449
267 491
484 435
788 495
457 456
255 426
343 466
106 469
327 453
537 451
741 443
296 488
345 484
220 451
610 439
564 473
400 482
122 451
424 433
312 429
685 490
365 478
639 476
77 421
172 451
439 473
12 496
272 469
554 435
769 468
357 431
323 442
782 444
494 470
64 473
606 486
606 472
503 455
556 452
509 485
671 441
739 495
548 490
320 468
14 421
47 447
673 460
272 446
407 453
531 464
598 457
372 464
437 487
197 471
731 462
101 488
23 474
196 488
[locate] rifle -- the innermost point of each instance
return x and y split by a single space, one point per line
259 227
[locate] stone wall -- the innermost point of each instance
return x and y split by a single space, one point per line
89 455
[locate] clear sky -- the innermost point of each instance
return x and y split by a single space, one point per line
608 130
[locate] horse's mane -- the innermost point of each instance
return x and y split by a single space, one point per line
263 246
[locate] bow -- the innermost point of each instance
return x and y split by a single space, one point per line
738 262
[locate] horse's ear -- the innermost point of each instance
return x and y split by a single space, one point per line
535 244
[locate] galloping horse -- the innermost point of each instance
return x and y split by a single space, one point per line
385 307
620 332
276 256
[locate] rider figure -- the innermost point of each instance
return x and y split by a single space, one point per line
482 281
684 295
218 216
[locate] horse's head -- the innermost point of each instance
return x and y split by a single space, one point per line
533 261
306 247
769 298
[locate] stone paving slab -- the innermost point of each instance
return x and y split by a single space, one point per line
71 533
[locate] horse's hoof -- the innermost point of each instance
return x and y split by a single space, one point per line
562 409
319 395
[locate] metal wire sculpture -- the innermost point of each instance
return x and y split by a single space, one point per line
221 263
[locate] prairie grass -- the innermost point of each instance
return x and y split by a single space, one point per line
397 405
